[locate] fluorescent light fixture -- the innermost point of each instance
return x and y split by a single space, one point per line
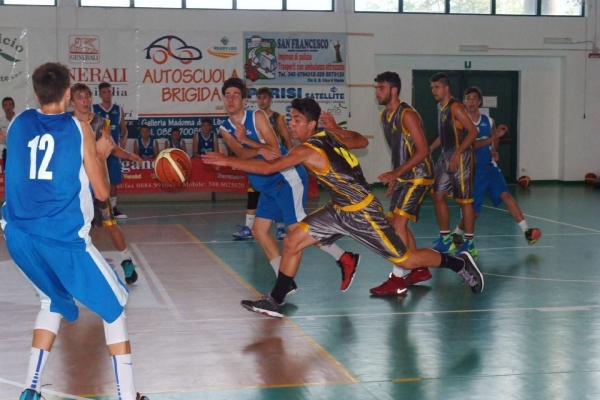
557 40
473 47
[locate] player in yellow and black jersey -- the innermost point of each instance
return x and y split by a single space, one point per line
411 177
352 210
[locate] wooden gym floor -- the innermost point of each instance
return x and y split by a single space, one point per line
532 334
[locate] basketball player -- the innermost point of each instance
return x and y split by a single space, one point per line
205 140
118 130
8 106
352 209
57 158
175 141
411 178
488 177
81 100
283 193
144 146
454 169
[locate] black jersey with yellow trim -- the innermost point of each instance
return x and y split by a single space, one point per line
342 176
451 131
402 144
274 121
98 125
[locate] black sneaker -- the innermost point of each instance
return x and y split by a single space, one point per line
118 214
129 271
140 397
293 288
266 305
470 273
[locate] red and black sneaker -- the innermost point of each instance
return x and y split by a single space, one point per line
348 263
394 286
417 275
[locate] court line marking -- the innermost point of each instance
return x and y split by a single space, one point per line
548 220
161 289
45 389
542 279
309 340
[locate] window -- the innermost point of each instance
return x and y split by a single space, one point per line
29 2
299 5
484 7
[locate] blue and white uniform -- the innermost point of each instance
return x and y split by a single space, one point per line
283 193
143 150
47 234
488 177
113 163
173 146
206 145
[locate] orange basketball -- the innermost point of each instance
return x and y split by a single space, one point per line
524 181
172 166
590 177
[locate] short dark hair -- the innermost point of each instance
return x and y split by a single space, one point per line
9 99
390 77
441 77
265 90
81 87
175 129
50 81
307 107
206 120
474 89
144 126
235 83
103 85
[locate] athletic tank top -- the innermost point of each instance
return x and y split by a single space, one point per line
145 151
206 145
402 145
274 121
451 131
483 156
173 146
114 115
47 191
343 176
262 183
98 124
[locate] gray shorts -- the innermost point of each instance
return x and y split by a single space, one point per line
407 198
458 184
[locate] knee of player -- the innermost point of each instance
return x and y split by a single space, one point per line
506 196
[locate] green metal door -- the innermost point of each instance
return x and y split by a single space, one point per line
500 86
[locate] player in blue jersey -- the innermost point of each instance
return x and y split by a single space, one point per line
145 146
47 235
205 140
118 130
175 141
488 177
249 134
352 210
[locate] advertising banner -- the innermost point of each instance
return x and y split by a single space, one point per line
295 58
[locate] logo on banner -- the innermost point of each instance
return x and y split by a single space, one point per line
261 58
10 47
84 49
223 51
166 47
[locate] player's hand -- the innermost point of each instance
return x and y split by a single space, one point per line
240 133
390 189
501 130
268 154
454 161
388 177
215 159
495 155
104 146
136 158
328 122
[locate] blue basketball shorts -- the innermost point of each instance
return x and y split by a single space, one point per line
113 165
488 179
285 201
61 276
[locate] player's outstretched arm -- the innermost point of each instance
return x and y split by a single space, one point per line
352 139
94 161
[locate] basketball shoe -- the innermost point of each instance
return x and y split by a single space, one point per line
470 274
266 305
417 275
394 286
292 289
30 394
444 244
457 239
281 233
348 263
140 397
468 245
243 233
129 270
533 235
118 214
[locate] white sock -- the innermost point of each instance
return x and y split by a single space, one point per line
250 220
37 361
523 225
333 250
123 368
399 272
458 231
125 255
275 264
113 201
